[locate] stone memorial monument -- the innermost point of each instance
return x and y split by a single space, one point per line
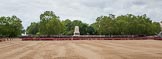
76 31
160 34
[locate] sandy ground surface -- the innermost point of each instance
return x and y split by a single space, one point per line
84 49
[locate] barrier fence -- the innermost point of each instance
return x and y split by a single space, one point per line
83 37
89 37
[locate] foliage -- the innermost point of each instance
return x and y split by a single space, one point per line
10 26
83 27
126 25
129 24
49 24
33 28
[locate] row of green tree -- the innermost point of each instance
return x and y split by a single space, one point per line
129 24
126 25
50 24
10 26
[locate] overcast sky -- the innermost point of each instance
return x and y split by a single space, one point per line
85 10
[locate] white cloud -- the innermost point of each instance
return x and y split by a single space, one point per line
86 10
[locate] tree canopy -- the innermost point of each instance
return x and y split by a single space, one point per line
10 26
84 28
128 24
33 29
49 24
